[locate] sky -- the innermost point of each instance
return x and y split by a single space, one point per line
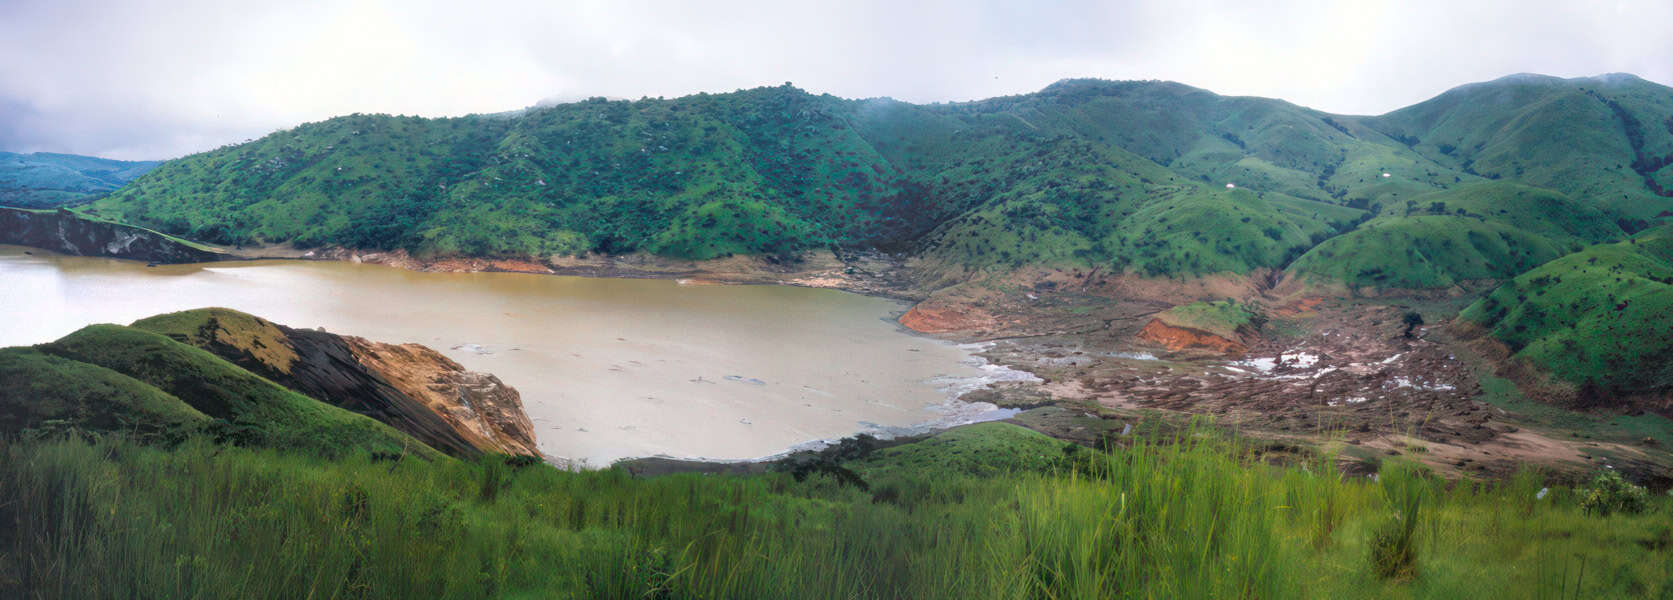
145 79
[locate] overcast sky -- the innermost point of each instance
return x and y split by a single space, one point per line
146 79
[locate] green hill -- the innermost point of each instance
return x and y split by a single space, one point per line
1256 143
44 391
1480 231
766 171
1595 318
45 180
1131 176
1601 139
112 378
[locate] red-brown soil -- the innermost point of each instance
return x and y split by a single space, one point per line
1185 338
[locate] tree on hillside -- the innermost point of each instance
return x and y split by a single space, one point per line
1412 321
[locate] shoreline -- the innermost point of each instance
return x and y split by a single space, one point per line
1073 341
943 410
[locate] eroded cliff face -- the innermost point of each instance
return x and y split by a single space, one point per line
62 231
479 407
1176 339
931 316
407 386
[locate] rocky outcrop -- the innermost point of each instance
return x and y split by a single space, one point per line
478 407
1184 338
64 231
407 386
940 316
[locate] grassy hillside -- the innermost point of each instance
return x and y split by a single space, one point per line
1596 318
1127 176
1225 318
960 515
258 339
1257 143
409 387
46 392
1593 138
1481 231
105 373
46 180
764 171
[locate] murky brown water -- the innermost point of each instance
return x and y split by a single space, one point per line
608 368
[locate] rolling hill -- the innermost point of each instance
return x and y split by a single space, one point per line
1605 139
1596 320
236 378
45 180
1480 231
1131 176
176 379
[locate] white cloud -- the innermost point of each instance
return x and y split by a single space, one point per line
149 79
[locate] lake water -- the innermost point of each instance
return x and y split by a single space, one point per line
608 368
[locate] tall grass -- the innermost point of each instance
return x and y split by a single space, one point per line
1190 516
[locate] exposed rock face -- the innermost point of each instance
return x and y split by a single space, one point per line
478 407
407 386
62 231
931 316
1184 338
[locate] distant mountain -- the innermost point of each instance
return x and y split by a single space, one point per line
44 180
1147 178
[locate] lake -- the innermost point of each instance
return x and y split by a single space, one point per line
608 368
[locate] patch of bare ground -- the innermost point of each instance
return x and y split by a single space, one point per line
1176 338
1326 371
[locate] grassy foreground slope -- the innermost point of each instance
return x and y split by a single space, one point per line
44 391
1597 318
114 378
958 516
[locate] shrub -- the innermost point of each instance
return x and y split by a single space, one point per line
1610 493
1412 320
1394 542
